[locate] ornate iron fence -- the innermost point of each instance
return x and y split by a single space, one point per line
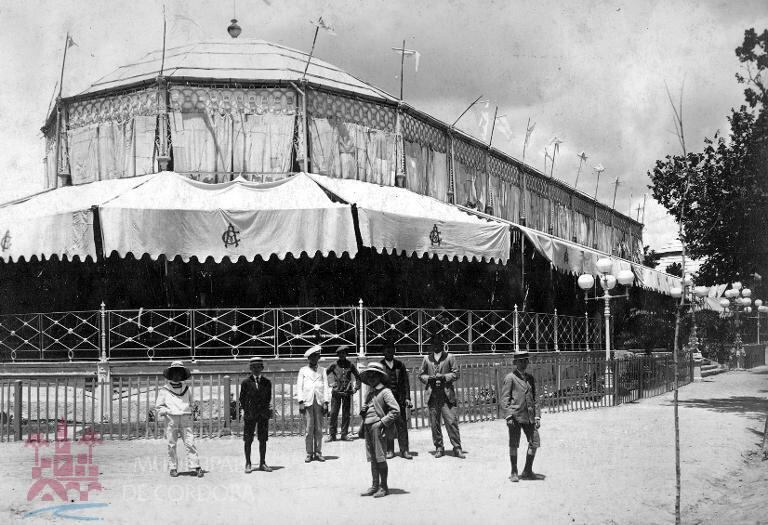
148 334
122 406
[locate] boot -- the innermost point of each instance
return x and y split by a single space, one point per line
383 487
439 452
459 453
263 457
528 470
513 476
374 488
174 473
199 472
406 454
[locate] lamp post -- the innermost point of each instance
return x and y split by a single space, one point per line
695 296
607 283
735 301
760 309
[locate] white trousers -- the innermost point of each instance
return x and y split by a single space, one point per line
181 427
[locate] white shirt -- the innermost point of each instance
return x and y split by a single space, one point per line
174 401
313 385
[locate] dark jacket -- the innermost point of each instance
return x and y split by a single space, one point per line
398 380
446 366
518 397
340 377
256 403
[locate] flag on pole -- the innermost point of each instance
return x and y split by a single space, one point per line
409 53
324 25
484 118
528 132
70 42
502 124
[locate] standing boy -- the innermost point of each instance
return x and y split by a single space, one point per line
344 380
313 394
518 400
439 372
401 389
379 413
256 404
174 403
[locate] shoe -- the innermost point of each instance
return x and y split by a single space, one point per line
199 472
528 475
381 493
248 468
459 453
347 438
265 468
308 458
330 439
174 473
513 478
439 453
390 454
371 491
319 457
406 455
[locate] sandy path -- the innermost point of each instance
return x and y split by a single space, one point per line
612 465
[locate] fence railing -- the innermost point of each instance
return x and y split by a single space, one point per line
281 332
122 407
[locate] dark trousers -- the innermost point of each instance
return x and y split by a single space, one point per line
401 426
440 409
339 401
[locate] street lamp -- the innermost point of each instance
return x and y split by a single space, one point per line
607 282
735 301
695 296
761 309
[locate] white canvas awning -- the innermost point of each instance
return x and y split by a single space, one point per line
57 223
396 220
172 215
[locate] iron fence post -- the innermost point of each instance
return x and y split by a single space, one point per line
40 335
498 389
275 334
17 392
226 406
192 348
536 323
103 332
615 372
517 331
420 322
557 348
469 330
361 329
586 331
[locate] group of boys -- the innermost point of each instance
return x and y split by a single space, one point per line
383 412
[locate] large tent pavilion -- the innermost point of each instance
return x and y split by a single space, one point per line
232 176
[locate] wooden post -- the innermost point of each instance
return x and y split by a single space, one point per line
17 399
225 406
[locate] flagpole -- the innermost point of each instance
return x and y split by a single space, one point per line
163 158
58 109
613 213
582 159
402 62
311 52
525 142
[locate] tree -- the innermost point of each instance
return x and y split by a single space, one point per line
719 193
675 269
650 257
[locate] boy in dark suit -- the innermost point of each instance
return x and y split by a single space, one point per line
518 401
256 404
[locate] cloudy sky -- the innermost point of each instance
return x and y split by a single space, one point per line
591 73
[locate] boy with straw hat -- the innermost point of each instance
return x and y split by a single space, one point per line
174 402
518 400
379 412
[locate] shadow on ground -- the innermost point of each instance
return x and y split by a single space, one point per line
756 407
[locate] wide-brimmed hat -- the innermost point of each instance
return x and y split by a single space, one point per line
521 354
343 348
373 368
389 342
179 366
314 350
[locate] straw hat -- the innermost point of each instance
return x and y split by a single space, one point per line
177 365
314 350
255 359
374 368
342 348
521 354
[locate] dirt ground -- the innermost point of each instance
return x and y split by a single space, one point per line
611 465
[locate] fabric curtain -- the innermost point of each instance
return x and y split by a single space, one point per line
582 228
350 151
470 186
83 154
144 145
202 144
51 177
538 217
562 221
416 166
263 143
116 158
510 199
437 175
603 237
